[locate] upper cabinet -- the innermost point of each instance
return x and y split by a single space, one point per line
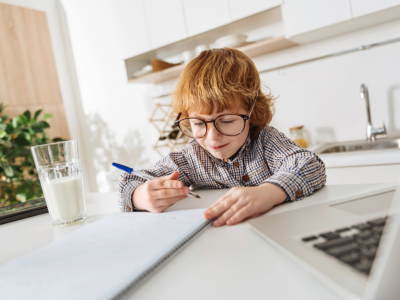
241 9
301 16
165 22
364 7
130 26
201 16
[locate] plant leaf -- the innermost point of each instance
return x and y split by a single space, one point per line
9 171
44 124
47 116
14 122
39 126
27 114
2 134
37 113
23 119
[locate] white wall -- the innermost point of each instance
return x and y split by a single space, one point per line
325 95
116 113
322 95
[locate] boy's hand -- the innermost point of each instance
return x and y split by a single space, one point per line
159 194
244 202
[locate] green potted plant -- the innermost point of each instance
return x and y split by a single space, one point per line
19 181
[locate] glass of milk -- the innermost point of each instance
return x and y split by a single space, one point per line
60 174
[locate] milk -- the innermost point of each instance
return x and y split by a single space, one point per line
64 197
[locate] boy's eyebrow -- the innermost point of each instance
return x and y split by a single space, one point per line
208 116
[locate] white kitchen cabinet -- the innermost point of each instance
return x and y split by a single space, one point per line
165 22
130 26
364 174
241 9
204 15
364 7
301 16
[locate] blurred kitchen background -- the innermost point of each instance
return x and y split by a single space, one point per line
116 62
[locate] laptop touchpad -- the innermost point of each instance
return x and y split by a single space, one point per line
367 205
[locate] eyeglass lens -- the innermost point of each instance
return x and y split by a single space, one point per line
228 125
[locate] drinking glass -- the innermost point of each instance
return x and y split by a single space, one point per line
60 173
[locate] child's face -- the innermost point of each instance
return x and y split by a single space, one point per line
219 145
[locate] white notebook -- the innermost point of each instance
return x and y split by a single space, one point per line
103 260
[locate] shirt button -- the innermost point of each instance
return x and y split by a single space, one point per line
225 160
236 165
219 160
246 178
248 146
299 194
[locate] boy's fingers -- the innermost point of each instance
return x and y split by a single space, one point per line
169 201
242 214
170 193
173 176
219 208
218 202
164 183
228 214
170 184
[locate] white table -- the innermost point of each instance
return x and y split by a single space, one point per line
222 263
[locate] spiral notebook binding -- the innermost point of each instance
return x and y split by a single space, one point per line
139 278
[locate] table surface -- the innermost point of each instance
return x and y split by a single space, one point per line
230 262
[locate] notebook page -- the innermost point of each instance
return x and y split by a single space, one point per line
94 260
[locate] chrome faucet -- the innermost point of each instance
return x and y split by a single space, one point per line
371 131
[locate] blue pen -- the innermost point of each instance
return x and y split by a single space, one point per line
144 176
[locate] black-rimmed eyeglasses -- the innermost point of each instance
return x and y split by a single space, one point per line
226 124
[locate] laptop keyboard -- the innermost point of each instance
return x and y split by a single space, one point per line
356 249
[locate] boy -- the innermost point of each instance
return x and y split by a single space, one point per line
220 104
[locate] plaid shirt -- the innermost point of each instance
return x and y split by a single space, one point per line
271 158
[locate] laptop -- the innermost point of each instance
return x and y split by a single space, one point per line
353 246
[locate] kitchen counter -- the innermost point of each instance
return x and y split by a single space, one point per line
359 158
361 167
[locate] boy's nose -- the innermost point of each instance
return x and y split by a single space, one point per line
212 132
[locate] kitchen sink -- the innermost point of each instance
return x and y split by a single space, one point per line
352 146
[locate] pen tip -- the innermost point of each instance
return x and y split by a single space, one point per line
197 196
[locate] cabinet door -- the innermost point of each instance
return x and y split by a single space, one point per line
165 22
364 7
204 15
241 9
130 26
301 16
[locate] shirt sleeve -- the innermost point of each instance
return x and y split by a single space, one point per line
297 171
127 183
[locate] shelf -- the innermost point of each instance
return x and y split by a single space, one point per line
252 50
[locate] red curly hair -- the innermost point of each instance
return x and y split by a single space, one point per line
226 79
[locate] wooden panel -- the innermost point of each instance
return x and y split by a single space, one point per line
58 124
28 75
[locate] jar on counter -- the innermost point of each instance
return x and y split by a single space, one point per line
297 135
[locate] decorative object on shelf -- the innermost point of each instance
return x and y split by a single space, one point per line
232 41
19 179
159 65
171 138
297 135
146 70
251 49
